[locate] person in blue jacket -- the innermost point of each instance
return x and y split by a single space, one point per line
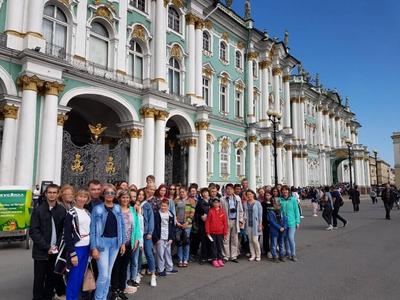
278 225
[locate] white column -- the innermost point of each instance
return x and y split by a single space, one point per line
264 65
13 27
135 135
296 169
320 133
367 173
160 44
25 150
61 118
122 36
348 131
289 165
191 61
266 144
7 161
48 133
148 142
199 58
305 171
295 116
159 154
339 133
81 25
362 172
357 171
326 123
279 160
322 164
252 162
333 130
251 118
202 128
276 73
192 144
302 125
286 93
33 35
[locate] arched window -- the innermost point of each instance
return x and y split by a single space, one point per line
224 160
135 62
99 44
55 30
239 163
238 59
174 19
174 76
206 41
223 51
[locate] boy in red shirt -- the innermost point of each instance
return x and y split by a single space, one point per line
216 230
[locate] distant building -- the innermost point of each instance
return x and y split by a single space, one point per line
396 146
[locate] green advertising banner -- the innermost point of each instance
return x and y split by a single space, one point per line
15 209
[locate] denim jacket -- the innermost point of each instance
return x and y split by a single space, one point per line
99 218
148 217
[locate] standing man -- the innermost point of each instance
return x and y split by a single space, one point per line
47 223
355 198
95 191
232 205
388 198
337 203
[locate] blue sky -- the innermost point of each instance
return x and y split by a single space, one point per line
354 45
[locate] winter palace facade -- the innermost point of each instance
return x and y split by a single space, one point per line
120 89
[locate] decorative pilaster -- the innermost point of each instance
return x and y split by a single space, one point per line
191 79
326 123
198 58
26 130
289 164
338 132
267 167
33 35
279 160
320 133
61 119
276 74
264 66
333 129
159 155
10 114
48 140
148 114
160 44
251 118
191 143
302 123
202 127
295 117
286 98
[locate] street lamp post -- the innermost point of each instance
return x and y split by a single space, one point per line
349 144
376 166
274 118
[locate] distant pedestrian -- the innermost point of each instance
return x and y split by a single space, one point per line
388 197
373 196
337 203
355 198
327 205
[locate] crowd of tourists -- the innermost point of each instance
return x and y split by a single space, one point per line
105 239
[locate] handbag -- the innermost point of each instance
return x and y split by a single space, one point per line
60 266
89 283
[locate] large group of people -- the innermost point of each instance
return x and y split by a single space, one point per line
120 233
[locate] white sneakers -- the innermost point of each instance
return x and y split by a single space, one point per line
153 281
315 215
138 278
330 227
130 290
269 255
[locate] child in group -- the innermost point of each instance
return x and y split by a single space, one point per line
163 236
278 225
216 230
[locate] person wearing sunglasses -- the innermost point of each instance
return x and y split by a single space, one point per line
107 232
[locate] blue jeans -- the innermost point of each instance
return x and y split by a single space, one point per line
135 263
277 240
105 266
184 251
148 252
75 275
290 244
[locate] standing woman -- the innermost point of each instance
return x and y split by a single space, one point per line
184 219
200 215
131 242
107 234
267 205
290 210
275 194
66 196
253 216
162 195
77 243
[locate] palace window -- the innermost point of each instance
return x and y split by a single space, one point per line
223 48
139 4
174 76
135 61
223 96
206 41
238 60
99 44
55 28
238 104
174 19
239 162
224 160
206 90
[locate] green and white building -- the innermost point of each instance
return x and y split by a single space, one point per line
120 89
